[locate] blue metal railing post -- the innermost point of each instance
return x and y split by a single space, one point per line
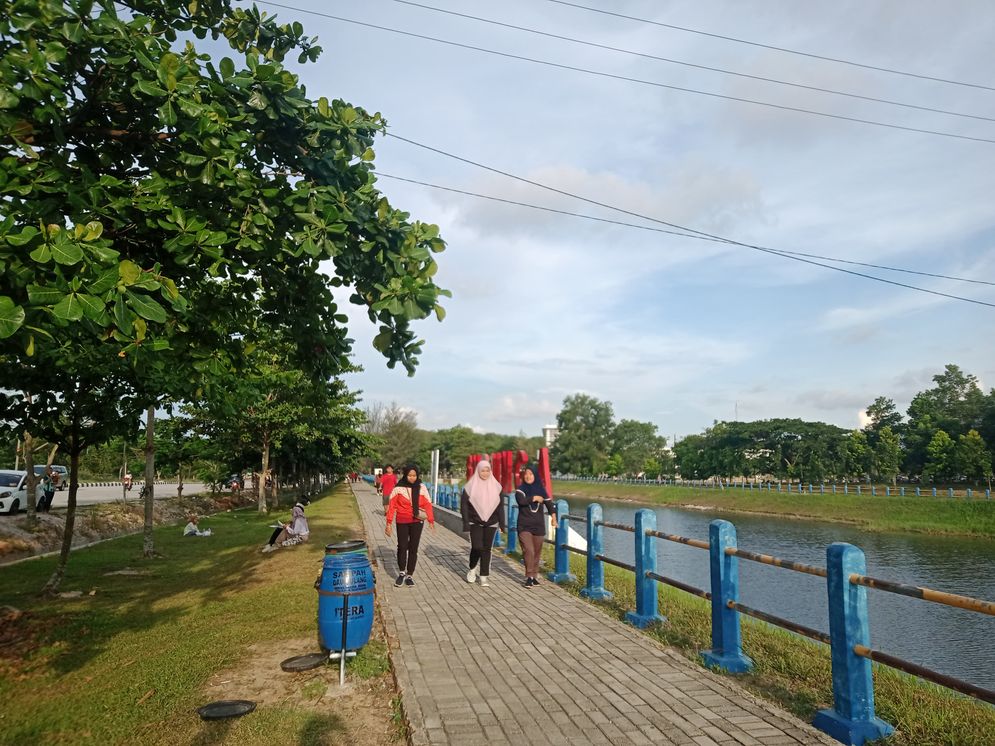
646 589
561 564
595 588
852 718
512 523
498 539
727 644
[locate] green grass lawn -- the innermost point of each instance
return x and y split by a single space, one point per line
934 515
795 673
129 664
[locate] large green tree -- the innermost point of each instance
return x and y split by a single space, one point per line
159 197
173 211
635 443
583 444
972 457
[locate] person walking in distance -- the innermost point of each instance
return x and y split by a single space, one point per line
408 493
534 504
387 482
483 513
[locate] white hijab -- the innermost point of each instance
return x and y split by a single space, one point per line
484 494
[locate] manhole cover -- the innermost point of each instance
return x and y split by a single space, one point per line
226 708
304 662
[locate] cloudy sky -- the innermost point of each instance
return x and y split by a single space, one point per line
672 330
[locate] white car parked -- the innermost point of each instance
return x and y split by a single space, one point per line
14 491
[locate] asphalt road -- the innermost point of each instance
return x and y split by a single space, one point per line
94 495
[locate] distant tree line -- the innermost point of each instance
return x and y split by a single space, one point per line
945 436
395 438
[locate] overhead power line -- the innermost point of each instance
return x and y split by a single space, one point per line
626 224
686 229
775 48
697 66
613 76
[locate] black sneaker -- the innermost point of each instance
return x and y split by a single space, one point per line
409 580
528 582
400 580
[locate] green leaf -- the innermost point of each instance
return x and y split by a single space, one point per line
129 272
440 312
382 341
103 283
150 89
42 255
170 288
11 317
140 328
69 308
227 67
44 296
93 307
66 252
24 237
147 307
122 317
323 107
104 254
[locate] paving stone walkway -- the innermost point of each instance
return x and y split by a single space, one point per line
511 665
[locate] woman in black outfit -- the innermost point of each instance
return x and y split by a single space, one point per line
534 504
483 513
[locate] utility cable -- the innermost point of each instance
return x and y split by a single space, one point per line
775 48
673 232
677 226
672 61
640 81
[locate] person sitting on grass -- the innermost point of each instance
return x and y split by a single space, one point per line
288 534
193 529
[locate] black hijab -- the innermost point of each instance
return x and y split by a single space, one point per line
536 488
415 488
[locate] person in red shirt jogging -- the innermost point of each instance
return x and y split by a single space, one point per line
387 482
410 521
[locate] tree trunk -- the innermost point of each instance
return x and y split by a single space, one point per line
148 543
179 480
261 492
31 481
52 586
124 470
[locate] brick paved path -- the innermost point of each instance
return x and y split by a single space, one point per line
468 659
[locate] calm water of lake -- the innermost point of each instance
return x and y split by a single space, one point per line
952 641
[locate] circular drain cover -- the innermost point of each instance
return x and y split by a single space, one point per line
226 708
304 662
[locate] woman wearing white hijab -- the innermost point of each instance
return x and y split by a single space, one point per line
483 512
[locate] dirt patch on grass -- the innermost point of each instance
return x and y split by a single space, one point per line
360 704
18 640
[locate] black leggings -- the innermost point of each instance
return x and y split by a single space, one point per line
408 536
481 541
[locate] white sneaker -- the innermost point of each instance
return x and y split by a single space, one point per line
483 581
471 576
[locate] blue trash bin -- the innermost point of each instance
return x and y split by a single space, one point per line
345 597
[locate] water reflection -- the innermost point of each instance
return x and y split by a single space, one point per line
952 641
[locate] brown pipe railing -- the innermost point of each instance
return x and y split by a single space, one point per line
777 621
615 562
986 695
679 539
694 591
768 559
619 526
926 594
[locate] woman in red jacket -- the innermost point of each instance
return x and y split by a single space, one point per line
409 521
